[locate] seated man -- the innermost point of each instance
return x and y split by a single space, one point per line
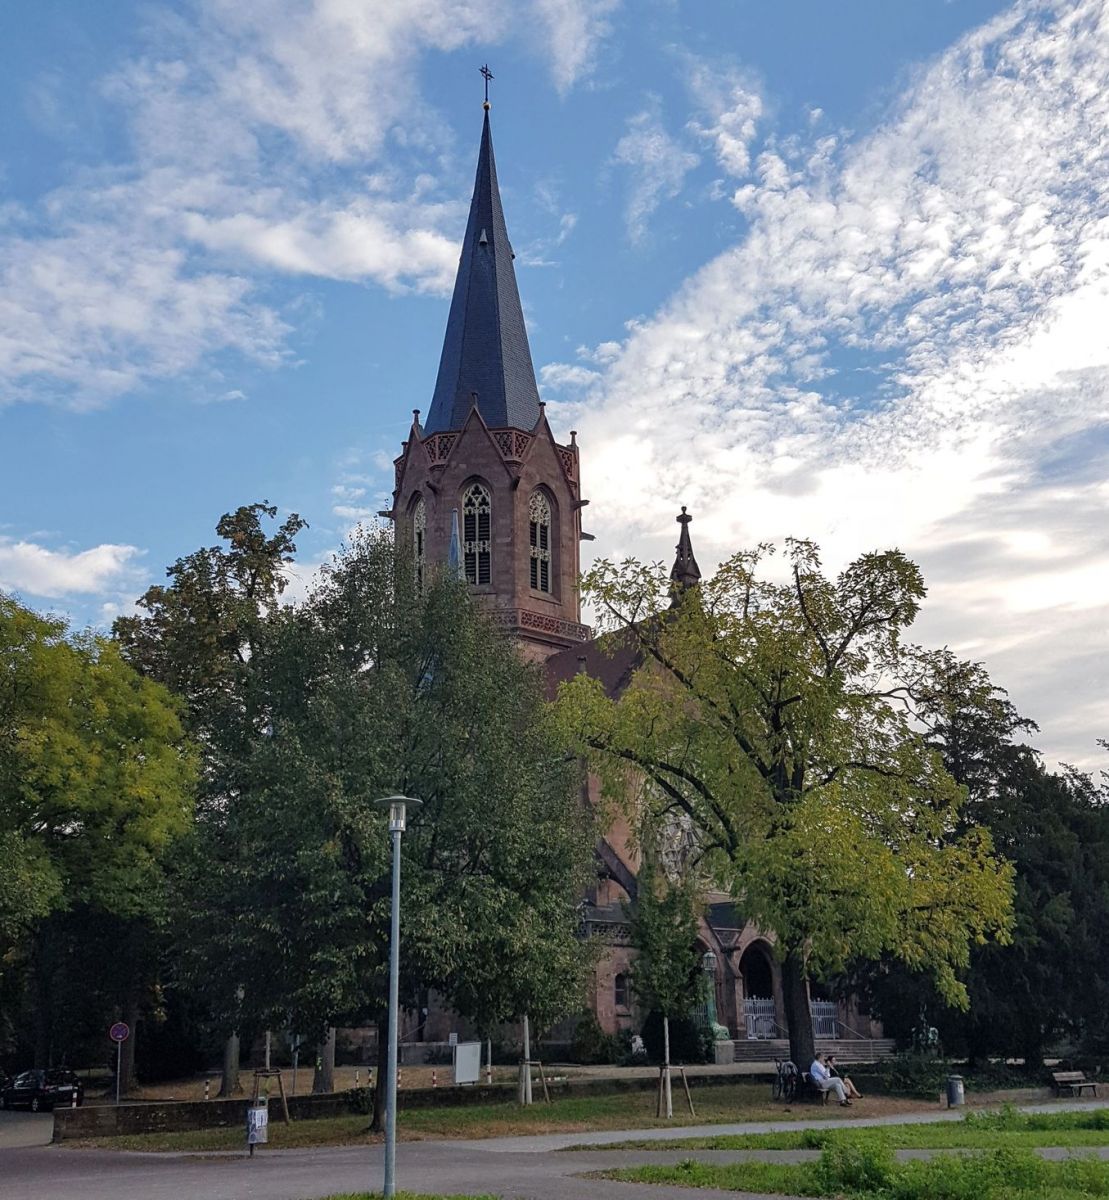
826 1082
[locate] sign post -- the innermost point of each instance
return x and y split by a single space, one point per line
257 1125
119 1033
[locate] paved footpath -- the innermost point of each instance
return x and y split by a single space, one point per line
513 1168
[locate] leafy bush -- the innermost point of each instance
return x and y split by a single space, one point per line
591 1045
852 1165
912 1074
359 1099
690 1042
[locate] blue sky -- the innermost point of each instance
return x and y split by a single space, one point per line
837 271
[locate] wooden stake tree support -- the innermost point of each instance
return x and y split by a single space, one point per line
664 1088
266 1073
525 1079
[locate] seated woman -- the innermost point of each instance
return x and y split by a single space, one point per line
852 1091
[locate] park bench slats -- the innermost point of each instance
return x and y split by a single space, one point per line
1074 1082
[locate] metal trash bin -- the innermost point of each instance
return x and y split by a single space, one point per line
956 1095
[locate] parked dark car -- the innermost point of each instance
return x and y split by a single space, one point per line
39 1090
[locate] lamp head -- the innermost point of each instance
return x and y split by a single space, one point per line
397 807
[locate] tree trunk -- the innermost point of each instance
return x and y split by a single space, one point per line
127 1054
43 1008
229 1085
795 997
377 1123
324 1078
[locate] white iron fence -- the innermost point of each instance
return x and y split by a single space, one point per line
760 1019
823 1018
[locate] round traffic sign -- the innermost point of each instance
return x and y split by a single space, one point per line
119 1032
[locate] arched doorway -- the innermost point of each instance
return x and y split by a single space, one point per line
758 989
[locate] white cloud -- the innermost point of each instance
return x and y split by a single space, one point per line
657 166
27 567
96 309
907 347
278 138
351 512
732 108
563 376
572 31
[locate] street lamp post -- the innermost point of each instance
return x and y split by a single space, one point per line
396 807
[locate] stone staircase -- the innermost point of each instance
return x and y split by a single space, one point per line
846 1050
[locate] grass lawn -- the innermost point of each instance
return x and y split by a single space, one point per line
860 1172
977 1131
571 1114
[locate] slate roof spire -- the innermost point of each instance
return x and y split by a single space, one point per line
485 350
685 572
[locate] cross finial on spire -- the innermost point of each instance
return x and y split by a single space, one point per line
487 75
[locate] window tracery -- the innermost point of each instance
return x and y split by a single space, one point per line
477 524
539 515
419 539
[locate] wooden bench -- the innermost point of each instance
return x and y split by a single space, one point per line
809 1090
1075 1082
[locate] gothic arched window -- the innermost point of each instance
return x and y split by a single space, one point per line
477 535
620 991
419 539
539 521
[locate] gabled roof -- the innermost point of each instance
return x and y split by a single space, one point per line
614 658
485 350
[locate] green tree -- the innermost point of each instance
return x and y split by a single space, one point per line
1054 829
368 687
198 635
770 713
96 783
666 972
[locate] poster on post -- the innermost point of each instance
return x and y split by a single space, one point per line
467 1062
257 1126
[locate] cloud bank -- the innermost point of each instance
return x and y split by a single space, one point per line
907 346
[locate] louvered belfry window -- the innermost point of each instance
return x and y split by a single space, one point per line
539 513
419 539
477 517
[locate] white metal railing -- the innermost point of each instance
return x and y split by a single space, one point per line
824 1018
759 1015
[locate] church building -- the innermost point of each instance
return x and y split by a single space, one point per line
484 484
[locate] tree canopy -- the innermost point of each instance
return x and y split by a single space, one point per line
1054 829
771 715
370 685
96 783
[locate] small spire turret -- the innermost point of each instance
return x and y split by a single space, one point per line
685 573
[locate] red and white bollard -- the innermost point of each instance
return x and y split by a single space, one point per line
355 1076
398 1076
434 1078
207 1089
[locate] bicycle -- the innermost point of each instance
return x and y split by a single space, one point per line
785 1080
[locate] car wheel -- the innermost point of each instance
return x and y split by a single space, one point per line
35 1104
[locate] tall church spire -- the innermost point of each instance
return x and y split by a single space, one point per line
485 350
685 573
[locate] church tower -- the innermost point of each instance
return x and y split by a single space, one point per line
482 483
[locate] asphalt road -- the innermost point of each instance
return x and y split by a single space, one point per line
19 1129
513 1168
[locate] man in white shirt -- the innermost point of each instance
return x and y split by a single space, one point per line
825 1082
